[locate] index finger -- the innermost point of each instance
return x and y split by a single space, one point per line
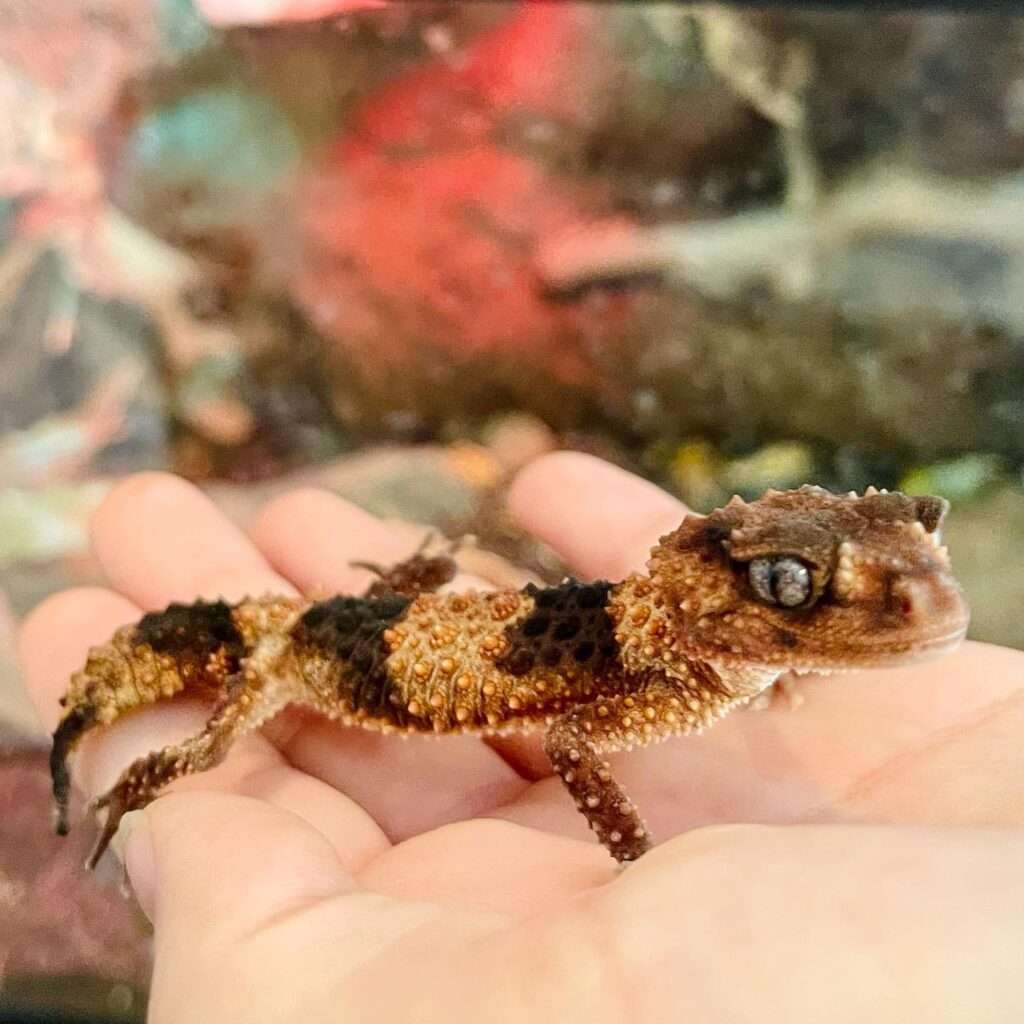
602 520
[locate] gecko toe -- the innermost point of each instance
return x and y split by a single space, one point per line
117 807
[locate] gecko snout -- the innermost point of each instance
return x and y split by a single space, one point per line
930 601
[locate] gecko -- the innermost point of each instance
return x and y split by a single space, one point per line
796 581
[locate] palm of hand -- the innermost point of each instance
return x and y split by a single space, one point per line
329 874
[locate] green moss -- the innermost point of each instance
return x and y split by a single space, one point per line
957 479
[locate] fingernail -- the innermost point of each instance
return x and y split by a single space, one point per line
131 822
133 845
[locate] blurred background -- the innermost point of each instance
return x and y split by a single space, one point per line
397 249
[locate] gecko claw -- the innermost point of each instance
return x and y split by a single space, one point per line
116 809
373 567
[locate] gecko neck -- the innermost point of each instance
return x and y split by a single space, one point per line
648 637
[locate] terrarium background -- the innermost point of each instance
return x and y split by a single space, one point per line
399 253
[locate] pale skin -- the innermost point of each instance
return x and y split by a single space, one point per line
325 874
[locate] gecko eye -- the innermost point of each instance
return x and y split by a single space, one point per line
784 581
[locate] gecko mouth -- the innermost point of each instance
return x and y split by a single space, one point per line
881 655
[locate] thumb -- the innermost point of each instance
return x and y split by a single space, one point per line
210 867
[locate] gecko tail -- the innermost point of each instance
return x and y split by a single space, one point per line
72 727
193 649
107 687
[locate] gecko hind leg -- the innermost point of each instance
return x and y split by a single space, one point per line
420 573
243 709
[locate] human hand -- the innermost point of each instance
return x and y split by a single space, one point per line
331 874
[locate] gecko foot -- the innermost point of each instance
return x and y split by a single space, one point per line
418 574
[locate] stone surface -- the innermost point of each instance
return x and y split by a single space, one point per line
59 925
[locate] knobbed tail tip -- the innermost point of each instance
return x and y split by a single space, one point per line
60 820
61 788
64 738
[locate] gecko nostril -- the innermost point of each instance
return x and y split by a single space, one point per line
914 597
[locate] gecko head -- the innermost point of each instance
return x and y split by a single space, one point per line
811 580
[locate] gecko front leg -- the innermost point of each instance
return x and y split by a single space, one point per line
658 708
574 745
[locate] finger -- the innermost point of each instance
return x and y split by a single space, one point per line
356 838
160 539
524 752
212 868
409 784
602 520
489 865
949 752
313 537
56 636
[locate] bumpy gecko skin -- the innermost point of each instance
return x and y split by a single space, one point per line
799 580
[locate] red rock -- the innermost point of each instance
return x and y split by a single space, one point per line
418 228
55 917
